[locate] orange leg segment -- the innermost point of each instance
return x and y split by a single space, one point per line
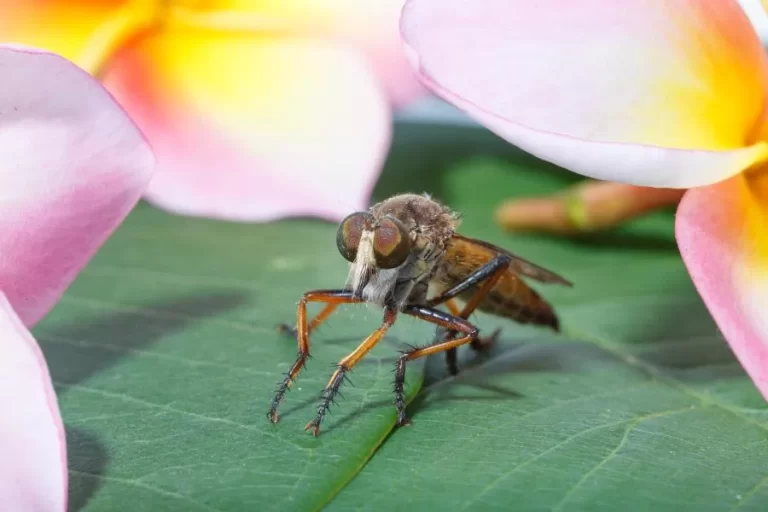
452 307
451 322
489 274
318 319
332 298
446 320
345 365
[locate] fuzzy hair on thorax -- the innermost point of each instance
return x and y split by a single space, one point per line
430 225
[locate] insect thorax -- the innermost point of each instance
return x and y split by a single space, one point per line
430 226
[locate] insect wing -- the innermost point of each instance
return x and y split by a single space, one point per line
481 252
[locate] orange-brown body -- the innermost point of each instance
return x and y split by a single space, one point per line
400 251
510 297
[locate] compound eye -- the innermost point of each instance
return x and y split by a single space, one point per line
349 233
391 243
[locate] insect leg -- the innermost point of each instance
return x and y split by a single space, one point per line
493 267
346 364
489 274
454 323
450 355
330 297
318 319
452 307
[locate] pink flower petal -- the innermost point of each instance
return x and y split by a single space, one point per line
635 91
722 231
367 25
72 165
373 26
33 466
254 128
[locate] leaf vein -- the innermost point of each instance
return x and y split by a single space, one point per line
655 373
136 483
152 313
148 353
167 408
506 474
748 496
623 441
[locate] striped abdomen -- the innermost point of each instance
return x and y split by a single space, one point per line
510 297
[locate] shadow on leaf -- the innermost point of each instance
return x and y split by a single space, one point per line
680 338
88 460
123 331
476 369
120 332
507 356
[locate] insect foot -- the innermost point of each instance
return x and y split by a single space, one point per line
486 343
328 397
399 383
288 329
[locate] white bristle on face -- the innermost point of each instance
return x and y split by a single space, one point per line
365 279
363 264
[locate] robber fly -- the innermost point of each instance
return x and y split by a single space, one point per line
407 258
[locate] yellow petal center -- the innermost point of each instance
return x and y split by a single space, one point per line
123 25
138 17
756 211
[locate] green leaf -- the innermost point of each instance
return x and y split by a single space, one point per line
165 357
639 405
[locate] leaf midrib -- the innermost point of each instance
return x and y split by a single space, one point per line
656 376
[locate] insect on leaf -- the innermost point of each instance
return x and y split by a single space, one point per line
165 356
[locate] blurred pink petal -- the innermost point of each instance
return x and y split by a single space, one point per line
33 465
373 26
722 232
277 127
633 91
72 165
369 25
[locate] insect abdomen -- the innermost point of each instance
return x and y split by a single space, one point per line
512 298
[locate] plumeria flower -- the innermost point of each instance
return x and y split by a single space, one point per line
652 93
73 166
256 109
599 205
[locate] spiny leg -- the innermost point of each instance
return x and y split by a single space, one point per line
346 364
448 321
489 274
331 297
